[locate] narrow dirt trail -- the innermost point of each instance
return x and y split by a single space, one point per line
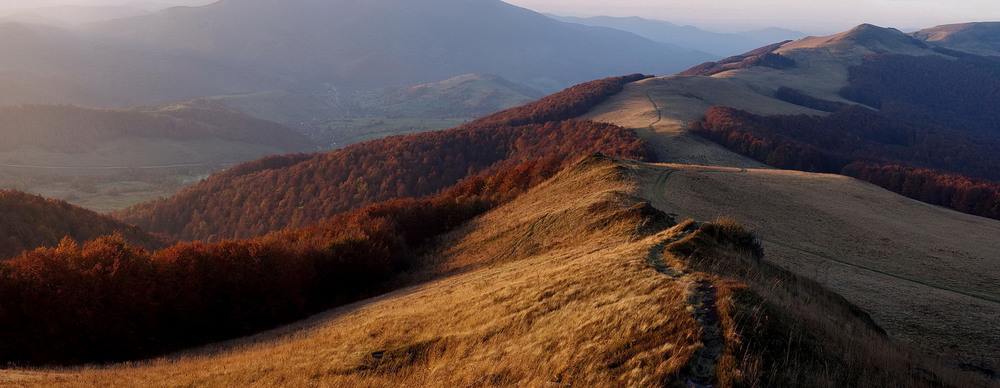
700 372
651 134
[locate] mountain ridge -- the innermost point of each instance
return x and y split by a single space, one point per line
30 221
976 38
691 37
312 33
711 177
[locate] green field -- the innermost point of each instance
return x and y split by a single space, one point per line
343 132
102 191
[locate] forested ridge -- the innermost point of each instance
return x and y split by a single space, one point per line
296 190
930 91
118 301
29 221
935 137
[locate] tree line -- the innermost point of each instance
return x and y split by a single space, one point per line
861 143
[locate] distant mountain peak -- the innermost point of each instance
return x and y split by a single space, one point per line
865 38
976 38
985 30
362 44
880 38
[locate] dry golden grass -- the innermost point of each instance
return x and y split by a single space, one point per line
540 297
926 274
569 285
787 330
588 204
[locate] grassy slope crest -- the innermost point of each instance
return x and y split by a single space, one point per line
688 303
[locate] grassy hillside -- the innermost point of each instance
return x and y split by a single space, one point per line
692 303
925 274
934 138
469 95
975 38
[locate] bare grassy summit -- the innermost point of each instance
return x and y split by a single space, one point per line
579 282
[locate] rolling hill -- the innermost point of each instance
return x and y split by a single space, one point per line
353 43
975 38
242 47
894 267
107 159
688 304
790 105
459 98
30 221
890 267
79 130
122 302
467 95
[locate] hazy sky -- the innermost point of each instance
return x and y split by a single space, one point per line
808 15
9 5
811 16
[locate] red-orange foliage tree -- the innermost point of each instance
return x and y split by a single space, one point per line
861 143
30 221
932 186
107 300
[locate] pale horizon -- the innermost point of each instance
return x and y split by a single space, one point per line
808 16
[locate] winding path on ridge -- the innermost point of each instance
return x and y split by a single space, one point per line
652 134
700 371
667 132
